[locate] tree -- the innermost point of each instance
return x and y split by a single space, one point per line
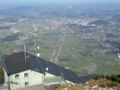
1 76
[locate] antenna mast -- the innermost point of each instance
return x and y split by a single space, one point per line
38 54
25 52
119 58
37 48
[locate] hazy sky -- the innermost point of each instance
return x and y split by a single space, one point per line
66 1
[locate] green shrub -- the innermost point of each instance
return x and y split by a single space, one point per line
111 85
1 76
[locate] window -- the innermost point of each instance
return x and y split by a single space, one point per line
44 73
26 83
26 75
16 76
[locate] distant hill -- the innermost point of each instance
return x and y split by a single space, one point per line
13 37
4 27
116 18
100 22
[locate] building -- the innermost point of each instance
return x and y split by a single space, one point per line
23 69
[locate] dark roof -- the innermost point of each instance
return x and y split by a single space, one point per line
16 63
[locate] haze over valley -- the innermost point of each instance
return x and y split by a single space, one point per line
81 37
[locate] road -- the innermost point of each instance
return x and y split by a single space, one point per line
57 51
